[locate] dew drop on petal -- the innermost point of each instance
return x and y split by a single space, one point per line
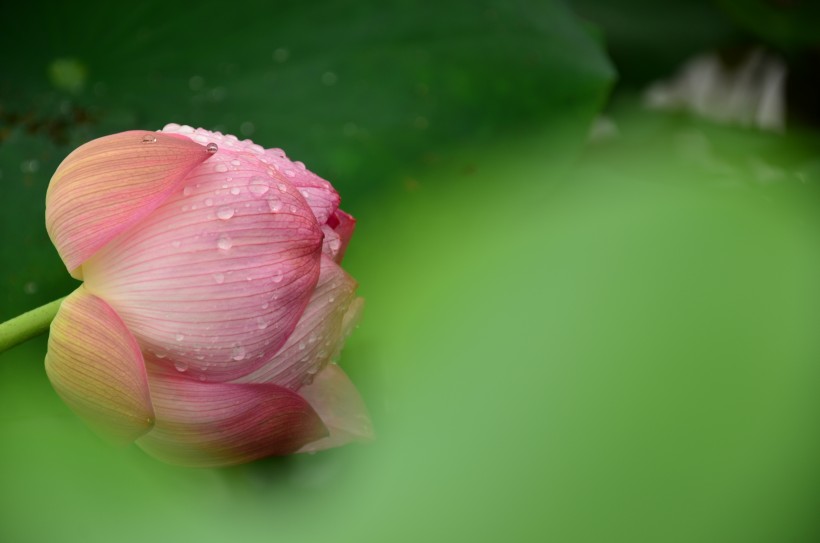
212 148
235 162
221 167
258 186
224 243
235 190
149 138
176 244
225 213
179 337
219 278
181 366
187 190
238 352
282 187
275 205
277 276
261 323
209 202
301 345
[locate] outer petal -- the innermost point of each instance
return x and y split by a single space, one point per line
318 337
320 195
216 278
109 184
337 401
95 365
343 225
219 424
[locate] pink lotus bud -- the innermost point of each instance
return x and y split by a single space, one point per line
213 306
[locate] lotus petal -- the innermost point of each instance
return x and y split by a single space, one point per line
95 365
108 185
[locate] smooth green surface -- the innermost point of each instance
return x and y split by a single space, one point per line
564 341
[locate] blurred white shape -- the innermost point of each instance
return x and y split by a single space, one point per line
751 94
603 128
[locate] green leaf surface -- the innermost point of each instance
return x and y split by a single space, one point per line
562 341
377 97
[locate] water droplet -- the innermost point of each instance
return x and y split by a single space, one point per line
212 148
160 354
196 82
238 352
247 128
225 213
306 195
187 190
329 78
149 138
290 173
261 323
181 366
29 166
293 209
265 305
282 187
235 190
224 243
277 276
179 337
176 244
209 202
331 299
258 186
302 345
275 205
219 277
221 167
281 54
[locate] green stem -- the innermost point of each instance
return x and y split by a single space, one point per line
26 326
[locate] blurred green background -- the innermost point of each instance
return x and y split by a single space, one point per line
587 320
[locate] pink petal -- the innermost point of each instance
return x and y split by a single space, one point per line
332 244
219 424
319 336
344 225
341 408
319 194
216 278
109 184
95 365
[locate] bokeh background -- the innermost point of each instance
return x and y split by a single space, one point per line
588 240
